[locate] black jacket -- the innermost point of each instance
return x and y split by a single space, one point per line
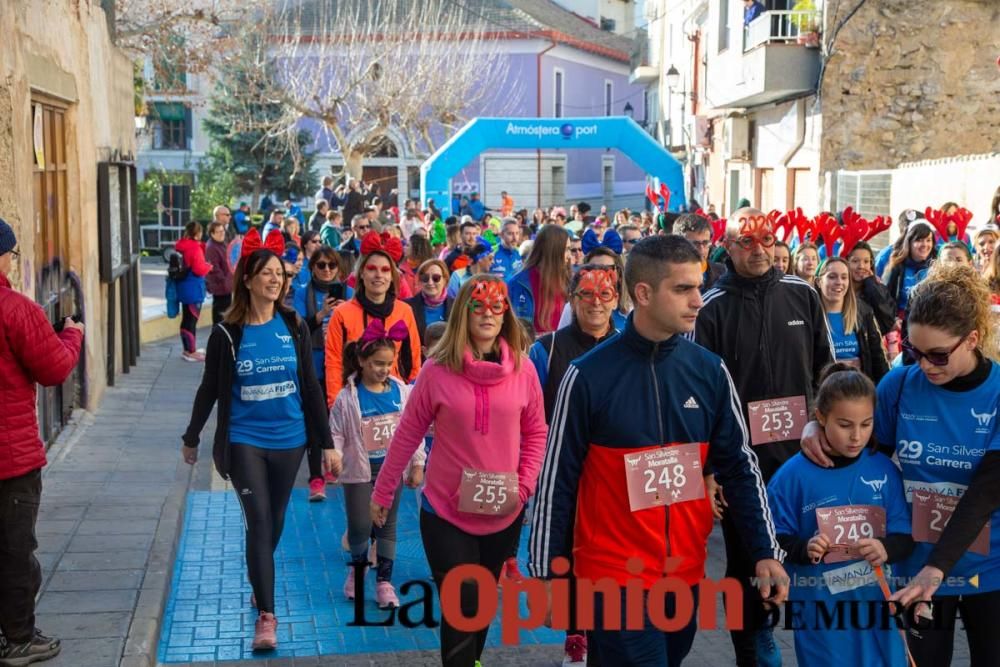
874 363
417 305
712 274
217 385
553 353
772 334
877 297
355 204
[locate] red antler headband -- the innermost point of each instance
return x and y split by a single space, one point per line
251 242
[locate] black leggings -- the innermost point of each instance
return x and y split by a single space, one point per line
933 646
263 481
220 304
190 312
446 547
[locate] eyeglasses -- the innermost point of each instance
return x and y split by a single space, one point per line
748 242
377 269
316 241
495 307
323 266
933 358
590 296
576 251
434 278
362 228
631 241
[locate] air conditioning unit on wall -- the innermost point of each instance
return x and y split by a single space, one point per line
736 139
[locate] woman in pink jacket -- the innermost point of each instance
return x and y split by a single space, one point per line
484 399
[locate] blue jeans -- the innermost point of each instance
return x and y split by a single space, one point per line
641 648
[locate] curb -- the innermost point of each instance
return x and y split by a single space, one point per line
144 630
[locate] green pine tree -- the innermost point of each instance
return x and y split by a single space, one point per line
258 164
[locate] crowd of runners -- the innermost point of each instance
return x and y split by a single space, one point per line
622 381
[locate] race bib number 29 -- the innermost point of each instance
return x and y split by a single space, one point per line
932 512
664 476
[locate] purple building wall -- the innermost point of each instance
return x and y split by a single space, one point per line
584 95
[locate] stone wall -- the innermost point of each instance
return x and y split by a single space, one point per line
910 80
60 51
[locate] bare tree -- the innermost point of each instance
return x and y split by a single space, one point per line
177 36
365 70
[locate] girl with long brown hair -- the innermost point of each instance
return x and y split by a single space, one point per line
538 291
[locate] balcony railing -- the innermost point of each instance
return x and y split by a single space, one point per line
782 27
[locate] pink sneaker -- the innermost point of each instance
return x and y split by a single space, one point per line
265 636
385 595
329 477
317 490
349 582
575 649
511 570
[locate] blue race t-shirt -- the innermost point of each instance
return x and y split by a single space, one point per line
375 404
796 491
911 276
940 438
845 345
433 314
267 401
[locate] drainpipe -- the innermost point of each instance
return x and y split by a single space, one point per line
538 114
800 131
800 138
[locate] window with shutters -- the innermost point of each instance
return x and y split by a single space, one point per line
171 123
868 193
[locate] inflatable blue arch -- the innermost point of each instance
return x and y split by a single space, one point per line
482 134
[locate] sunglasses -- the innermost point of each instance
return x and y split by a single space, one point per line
362 228
933 358
496 307
434 278
630 241
377 269
590 296
323 266
748 242
576 251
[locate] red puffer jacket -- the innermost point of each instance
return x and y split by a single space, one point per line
30 352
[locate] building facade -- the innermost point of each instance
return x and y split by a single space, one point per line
67 184
560 64
825 104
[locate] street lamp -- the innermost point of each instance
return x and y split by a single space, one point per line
673 77
629 111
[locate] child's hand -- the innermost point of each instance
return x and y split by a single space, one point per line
379 514
873 551
416 477
817 547
333 461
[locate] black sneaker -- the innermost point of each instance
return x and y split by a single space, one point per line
38 649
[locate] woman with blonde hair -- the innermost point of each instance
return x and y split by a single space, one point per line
857 339
482 395
538 291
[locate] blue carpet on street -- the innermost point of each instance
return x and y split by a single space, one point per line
208 616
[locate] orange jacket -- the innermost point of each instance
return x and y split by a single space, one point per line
347 323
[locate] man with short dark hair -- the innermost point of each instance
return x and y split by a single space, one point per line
575 251
631 235
770 330
318 217
476 207
326 191
30 353
603 498
698 231
507 258
274 221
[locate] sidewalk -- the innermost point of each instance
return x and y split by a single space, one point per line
113 520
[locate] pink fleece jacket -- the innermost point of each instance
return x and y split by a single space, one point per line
489 417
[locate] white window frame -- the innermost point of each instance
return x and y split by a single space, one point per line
609 97
558 92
